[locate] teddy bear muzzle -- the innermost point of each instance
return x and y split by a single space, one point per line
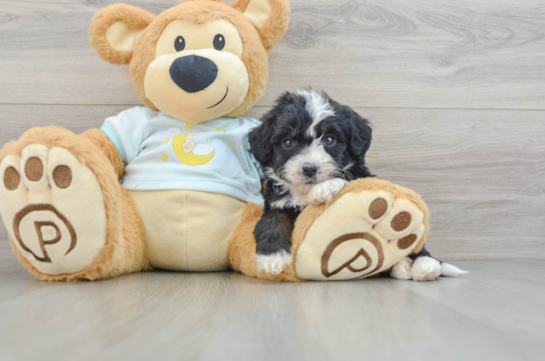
198 85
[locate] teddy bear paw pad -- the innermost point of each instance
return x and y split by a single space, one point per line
359 235
53 208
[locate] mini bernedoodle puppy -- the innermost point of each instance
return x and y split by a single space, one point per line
310 147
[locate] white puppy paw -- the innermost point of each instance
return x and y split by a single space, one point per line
325 191
273 263
402 269
425 269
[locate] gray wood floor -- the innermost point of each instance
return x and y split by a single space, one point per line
496 313
456 92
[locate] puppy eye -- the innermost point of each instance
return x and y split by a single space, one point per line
330 141
287 144
219 42
179 43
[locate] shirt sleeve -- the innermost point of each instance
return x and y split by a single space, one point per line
125 130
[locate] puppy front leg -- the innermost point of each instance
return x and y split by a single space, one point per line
325 191
273 241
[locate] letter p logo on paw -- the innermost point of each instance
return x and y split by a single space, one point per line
53 208
37 244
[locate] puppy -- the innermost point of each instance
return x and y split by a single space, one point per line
309 146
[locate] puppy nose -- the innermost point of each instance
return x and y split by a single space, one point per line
193 73
309 170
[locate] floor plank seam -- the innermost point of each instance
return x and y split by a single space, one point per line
270 106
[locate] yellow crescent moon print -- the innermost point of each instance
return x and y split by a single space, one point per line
189 158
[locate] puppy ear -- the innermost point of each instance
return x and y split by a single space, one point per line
362 134
260 141
270 18
115 29
261 137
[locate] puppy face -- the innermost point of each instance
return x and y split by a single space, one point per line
308 138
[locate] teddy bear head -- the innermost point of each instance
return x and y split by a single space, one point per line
196 61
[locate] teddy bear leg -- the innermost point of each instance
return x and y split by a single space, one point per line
66 214
242 248
370 226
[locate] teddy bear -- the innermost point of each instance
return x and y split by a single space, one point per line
172 184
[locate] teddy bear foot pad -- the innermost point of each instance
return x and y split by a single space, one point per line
378 230
53 208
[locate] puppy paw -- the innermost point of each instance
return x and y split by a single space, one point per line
325 191
273 263
425 269
402 269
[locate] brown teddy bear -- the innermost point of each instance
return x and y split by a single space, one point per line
172 185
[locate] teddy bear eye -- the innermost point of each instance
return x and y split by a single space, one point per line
179 43
219 42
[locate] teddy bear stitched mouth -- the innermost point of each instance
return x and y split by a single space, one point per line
222 99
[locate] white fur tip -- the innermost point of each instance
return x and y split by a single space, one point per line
402 269
326 191
425 269
448 270
273 263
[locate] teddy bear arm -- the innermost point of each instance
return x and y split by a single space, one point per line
101 140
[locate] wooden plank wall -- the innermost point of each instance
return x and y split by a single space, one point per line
455 90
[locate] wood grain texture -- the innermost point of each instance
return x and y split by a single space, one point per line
482 172
405 65
367 53
494 313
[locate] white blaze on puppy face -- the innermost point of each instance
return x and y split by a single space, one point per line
314 154
318 108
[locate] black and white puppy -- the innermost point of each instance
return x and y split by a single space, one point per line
310 147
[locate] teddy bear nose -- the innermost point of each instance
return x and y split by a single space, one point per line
193 73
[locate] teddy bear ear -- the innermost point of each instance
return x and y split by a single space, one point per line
270 18
115 29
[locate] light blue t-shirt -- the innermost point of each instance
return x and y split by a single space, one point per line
161 152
